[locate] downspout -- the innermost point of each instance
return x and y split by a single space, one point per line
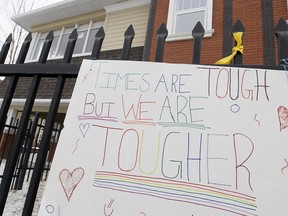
149 32
227 27
269 54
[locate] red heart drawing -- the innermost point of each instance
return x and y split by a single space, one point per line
283 117
70 180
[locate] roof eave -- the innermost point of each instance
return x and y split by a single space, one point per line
58 11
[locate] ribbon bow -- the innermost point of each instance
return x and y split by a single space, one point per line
238 48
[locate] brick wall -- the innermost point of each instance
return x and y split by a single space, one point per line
249 12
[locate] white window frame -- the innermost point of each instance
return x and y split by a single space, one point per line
91 25
171 22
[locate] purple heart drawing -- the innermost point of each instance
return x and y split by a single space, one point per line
84 128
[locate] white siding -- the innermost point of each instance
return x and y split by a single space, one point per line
116 23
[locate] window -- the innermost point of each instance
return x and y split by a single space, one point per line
84 43
183 16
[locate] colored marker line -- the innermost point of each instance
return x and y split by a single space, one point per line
178 200
98 118
171 181
181 191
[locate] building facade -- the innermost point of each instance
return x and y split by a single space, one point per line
218 17
180 16
87 17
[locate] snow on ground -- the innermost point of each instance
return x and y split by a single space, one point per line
16 198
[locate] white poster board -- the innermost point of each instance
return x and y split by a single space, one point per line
154 139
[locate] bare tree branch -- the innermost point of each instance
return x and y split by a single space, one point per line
13 8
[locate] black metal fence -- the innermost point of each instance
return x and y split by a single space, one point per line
23 149
28 153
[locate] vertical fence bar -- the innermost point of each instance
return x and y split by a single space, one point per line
10 164
52 149
5 141
161 37
46 48
45 141
18 168
12 86
5 49
13 134
99 37
281 32
238 27
26 153
128 38
34 152
197 33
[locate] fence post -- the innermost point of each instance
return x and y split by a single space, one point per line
161 37
10 164
197 33
128 38
238 27
281 32
5 49
45 141
99 37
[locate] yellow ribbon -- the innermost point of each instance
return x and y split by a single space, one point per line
238 48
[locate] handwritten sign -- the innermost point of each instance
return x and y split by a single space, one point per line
148 139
